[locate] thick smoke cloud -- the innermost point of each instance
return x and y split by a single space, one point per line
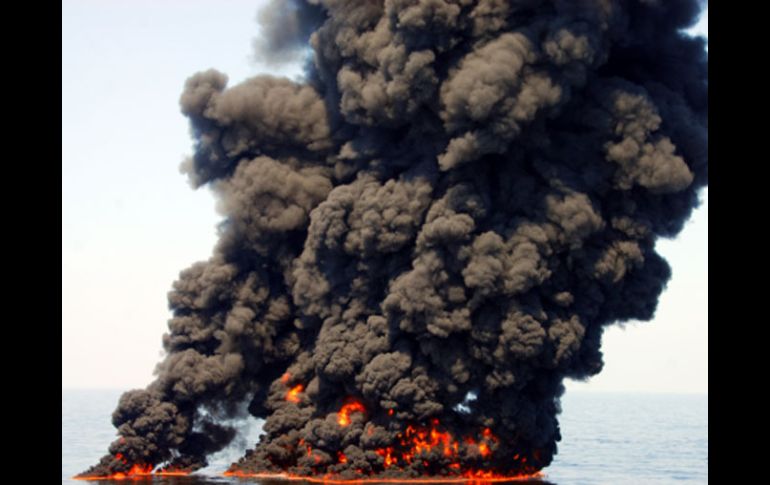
427 235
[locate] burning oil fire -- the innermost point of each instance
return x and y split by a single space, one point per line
136 471
455 201
343 417
415 444
328 479
293 394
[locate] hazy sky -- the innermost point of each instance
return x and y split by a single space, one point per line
130 222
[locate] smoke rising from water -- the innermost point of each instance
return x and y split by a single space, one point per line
455 202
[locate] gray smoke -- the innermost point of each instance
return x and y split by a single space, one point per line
455 202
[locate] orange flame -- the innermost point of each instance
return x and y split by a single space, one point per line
474 478
419 440
293 394
412 442
413 445
134 472
343 416
484 449
387 453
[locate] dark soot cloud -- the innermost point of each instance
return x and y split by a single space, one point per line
457 201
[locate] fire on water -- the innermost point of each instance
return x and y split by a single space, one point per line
136 471
469 478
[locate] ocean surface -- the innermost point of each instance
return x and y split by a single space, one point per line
606 439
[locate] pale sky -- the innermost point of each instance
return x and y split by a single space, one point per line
130 222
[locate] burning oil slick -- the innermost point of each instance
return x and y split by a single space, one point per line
424 237
213 480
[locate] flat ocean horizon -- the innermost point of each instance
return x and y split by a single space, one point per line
607 438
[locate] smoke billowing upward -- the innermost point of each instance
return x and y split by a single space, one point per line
425 236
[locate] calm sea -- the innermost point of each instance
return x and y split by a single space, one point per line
606 439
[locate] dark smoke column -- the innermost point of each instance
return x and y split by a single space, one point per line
454 204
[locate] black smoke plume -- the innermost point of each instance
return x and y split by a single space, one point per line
424 237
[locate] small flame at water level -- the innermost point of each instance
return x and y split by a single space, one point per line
136 471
